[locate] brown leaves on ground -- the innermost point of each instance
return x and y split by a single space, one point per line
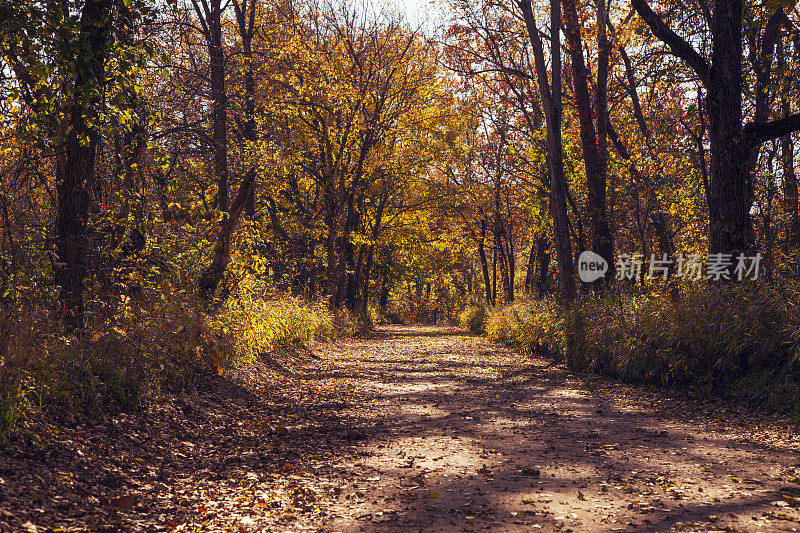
415 428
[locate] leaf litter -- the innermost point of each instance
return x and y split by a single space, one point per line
415 428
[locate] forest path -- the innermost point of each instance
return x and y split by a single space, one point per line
414 429
471 436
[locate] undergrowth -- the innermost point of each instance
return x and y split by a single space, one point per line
141 348
260 325
739 341
473 317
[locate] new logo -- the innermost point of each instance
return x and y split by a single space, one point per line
591 266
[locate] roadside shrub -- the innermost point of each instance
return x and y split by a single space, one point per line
141 347
256 324
534 326
12 398
113 365
741 341
473 317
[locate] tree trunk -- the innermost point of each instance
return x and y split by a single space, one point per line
512 261
790 193
593 138
245 19
383 302
730 227
530 271
75 169
484 263
211 277
544 270
551 103
219 102
789 178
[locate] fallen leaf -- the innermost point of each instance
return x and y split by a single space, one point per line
123 503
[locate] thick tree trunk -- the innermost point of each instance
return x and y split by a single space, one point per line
729 194
729 202
75 169
551 103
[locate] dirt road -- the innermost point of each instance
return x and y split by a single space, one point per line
471 436
416 429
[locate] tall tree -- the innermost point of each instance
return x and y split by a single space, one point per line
731 141
550 92
593 118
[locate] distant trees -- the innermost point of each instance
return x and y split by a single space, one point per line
492 44
349 109
326 151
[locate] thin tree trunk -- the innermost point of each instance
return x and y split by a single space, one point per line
544 270
530 270
789 179
383 302
512 273
211 277
245 18
494 270
219 99
484 263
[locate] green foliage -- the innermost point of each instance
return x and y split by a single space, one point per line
260 325
737 341
473 317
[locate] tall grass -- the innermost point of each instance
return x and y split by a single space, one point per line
258 325
741 341
143 347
